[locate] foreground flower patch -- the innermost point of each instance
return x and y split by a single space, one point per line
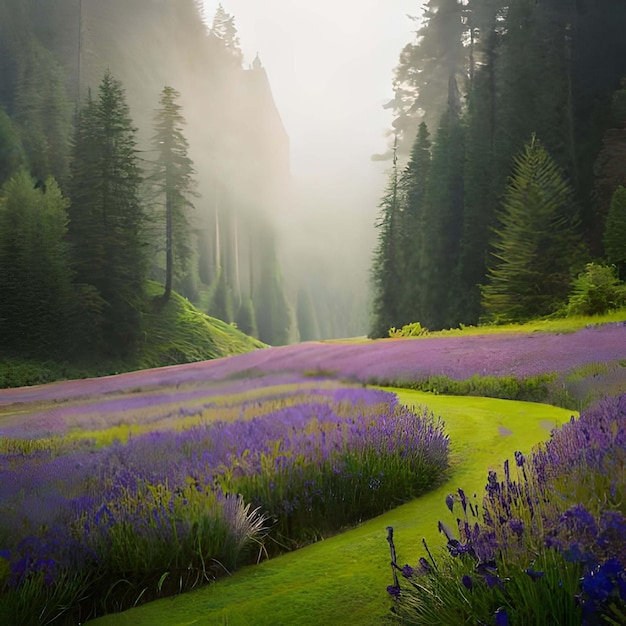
89 526
547 544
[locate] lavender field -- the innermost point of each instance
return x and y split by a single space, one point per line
172 490
595 352
118 490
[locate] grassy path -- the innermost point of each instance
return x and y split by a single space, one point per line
341 581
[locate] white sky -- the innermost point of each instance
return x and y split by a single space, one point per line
330 66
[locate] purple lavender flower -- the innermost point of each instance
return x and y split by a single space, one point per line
393 591
502 618
517 526
450 502
463 499
423 568
408 571
534 574
467 582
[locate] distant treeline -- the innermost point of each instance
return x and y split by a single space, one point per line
509 162
89 209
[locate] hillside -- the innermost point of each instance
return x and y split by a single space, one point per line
178 333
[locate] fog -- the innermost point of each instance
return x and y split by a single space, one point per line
330 68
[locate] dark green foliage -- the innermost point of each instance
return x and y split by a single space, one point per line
176 333
37 303
522 67
597 290
615 232
106 216
443 221
535 242
414 186
426 67
173 177
11 151
386 269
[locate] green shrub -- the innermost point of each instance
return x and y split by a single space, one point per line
597 290
408 330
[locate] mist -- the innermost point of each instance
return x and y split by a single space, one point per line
329 68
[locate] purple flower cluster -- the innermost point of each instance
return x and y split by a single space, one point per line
315 460
568 496
521 355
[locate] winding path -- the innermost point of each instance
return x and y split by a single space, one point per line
342 580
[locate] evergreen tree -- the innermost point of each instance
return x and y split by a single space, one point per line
36 297
535 243
224 29
174 179
425 67
386 266
106 215
414 186
443 219
615 232
11 151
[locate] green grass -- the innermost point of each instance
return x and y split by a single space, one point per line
342 580
549 325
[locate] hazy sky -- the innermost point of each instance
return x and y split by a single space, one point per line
330 67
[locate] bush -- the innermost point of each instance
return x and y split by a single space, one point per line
408 330
596 291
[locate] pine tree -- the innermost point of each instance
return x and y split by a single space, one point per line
414 186
224 29
443 219
386 266
36 297
106 215
173 177
615 232
425 67
535 243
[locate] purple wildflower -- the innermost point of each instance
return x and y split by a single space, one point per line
534 574
517 526
408 571
450 502
423 568
502 618
393 591
463 500
467 582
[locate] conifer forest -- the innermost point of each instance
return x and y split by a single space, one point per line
136 145
509 163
